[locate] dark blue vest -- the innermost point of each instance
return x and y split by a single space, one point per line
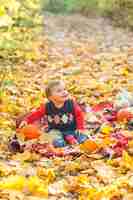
63 118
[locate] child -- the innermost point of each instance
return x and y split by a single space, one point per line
62 113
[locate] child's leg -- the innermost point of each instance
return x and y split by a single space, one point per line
59 142
80 137
74 137
57 138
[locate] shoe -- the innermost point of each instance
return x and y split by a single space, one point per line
81 137
70 139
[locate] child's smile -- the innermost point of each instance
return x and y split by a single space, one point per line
59 94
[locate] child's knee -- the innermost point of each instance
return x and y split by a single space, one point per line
59 143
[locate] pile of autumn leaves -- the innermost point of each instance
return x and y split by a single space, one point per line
92 79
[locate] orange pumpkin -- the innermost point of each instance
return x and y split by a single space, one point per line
89 146
124 115
30 132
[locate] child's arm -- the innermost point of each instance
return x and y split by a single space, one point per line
33 116
79 115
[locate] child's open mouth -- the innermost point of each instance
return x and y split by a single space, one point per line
65 96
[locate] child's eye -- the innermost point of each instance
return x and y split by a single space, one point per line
60 90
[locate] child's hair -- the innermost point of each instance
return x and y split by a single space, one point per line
51 84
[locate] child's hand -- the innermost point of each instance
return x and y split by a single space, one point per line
22 124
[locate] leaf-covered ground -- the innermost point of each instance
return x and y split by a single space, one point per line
96 60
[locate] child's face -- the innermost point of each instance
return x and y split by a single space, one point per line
59 93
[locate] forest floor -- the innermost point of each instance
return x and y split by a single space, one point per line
95 59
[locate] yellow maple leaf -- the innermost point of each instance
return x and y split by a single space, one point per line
46 174
127 160
37 187
13 182
106 129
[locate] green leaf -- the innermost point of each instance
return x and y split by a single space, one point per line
25 23
8 44
2 11
8 83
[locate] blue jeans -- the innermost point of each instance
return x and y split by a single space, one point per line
60 141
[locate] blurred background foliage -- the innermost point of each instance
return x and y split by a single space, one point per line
21 21
119 10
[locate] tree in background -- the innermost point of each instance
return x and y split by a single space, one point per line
19 22
120 11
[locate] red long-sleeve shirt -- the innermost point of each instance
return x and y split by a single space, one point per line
41 111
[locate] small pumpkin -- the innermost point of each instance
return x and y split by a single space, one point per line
89 146
30 132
